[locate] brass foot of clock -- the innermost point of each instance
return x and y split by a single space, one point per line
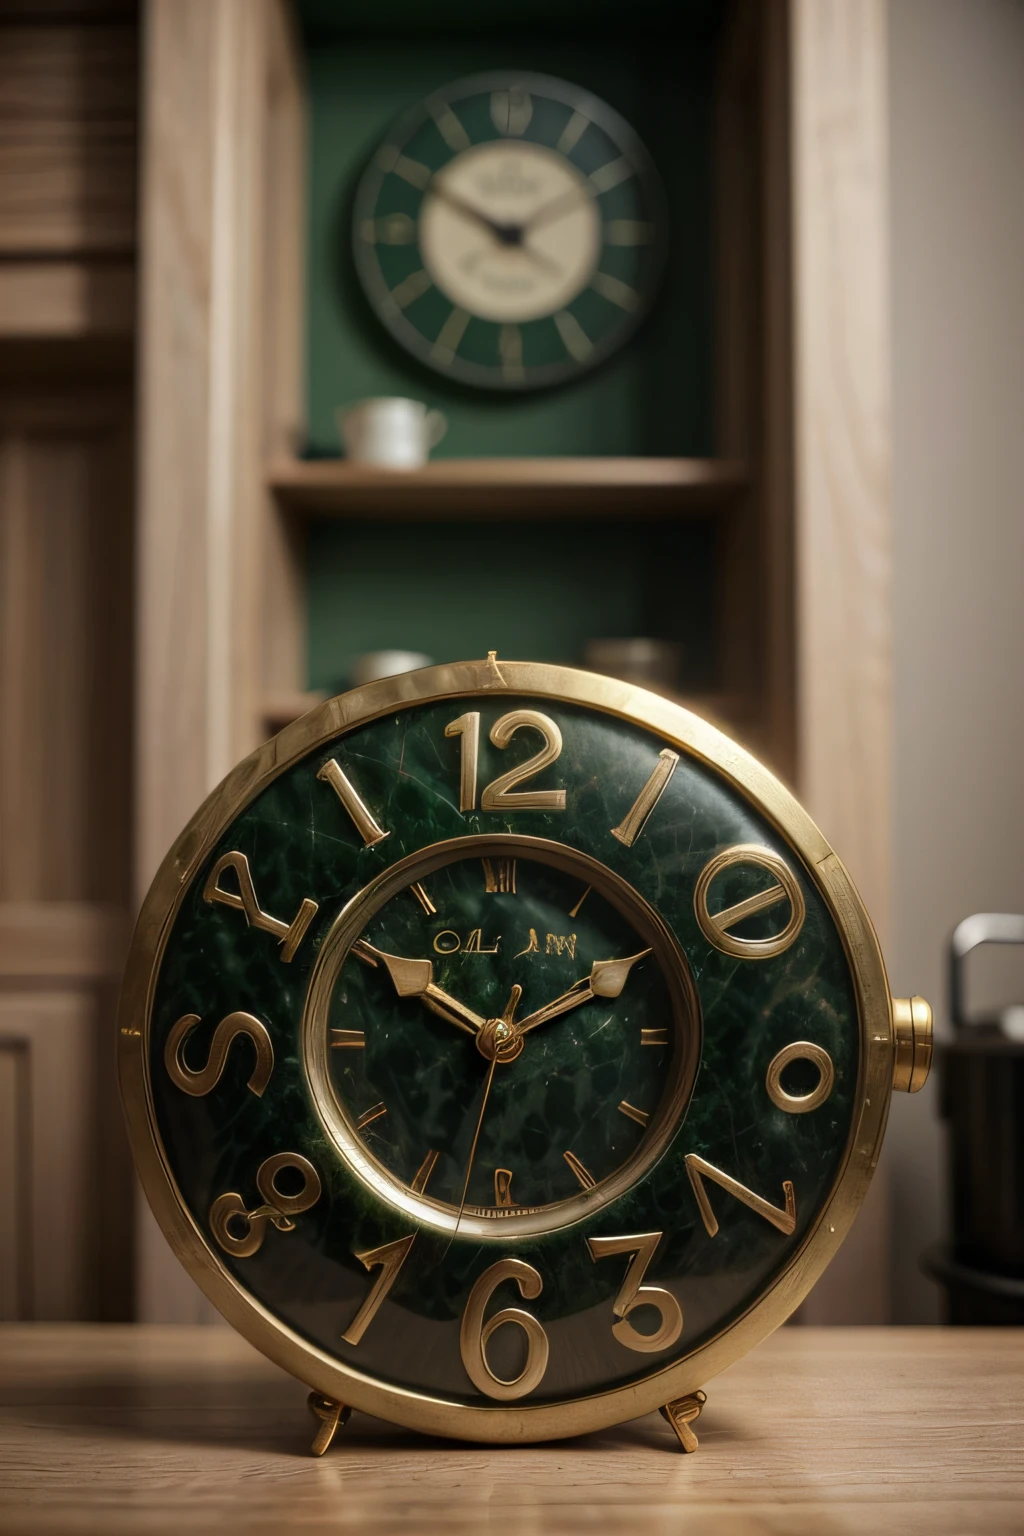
332 1415
680 1414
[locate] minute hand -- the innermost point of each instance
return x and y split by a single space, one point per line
607 979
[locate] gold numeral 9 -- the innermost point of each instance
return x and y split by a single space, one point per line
228 1211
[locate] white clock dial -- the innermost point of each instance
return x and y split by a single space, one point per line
510 232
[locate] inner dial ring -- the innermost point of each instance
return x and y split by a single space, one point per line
677 1060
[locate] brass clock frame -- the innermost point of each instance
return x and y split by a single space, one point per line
336 1383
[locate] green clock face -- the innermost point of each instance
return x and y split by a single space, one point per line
511 231
504 1050
531 969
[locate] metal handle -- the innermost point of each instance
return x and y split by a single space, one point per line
982 928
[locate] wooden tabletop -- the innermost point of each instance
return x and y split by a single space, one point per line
823 1431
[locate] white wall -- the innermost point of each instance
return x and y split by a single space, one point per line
957 229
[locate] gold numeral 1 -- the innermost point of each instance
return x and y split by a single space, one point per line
365 825
468 727
634 1294
699 1170
289 935
390 1258
632 825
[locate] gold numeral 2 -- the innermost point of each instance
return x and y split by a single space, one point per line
699 1170
290 935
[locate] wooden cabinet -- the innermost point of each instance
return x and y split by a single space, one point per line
797 497
67 253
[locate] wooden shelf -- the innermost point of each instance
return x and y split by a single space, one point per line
280 709
481 488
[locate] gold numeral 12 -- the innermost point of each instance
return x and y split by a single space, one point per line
501 794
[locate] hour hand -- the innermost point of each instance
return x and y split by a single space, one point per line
415 978
607 979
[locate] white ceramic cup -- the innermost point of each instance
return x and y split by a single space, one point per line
390 431
375 664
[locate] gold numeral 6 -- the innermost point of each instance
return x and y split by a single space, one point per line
475 1332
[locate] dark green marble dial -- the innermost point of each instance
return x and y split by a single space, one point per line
585 1085
510 232
511 1032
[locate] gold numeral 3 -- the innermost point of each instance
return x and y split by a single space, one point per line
642 1247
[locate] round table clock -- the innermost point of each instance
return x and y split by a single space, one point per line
510 232
505 1052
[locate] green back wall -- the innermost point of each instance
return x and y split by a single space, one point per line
654 397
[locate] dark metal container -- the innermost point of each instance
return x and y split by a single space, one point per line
981 1081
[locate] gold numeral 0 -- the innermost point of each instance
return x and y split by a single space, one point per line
632 1294
715 928
475 1332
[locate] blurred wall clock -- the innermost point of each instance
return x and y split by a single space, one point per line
510 232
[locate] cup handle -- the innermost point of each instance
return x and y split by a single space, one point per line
436 425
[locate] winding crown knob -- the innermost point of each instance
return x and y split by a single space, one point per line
912 1031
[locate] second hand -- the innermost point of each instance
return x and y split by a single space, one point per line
476 1138
507 1017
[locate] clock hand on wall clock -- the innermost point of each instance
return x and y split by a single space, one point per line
415 978
548 212
607 979
505 234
